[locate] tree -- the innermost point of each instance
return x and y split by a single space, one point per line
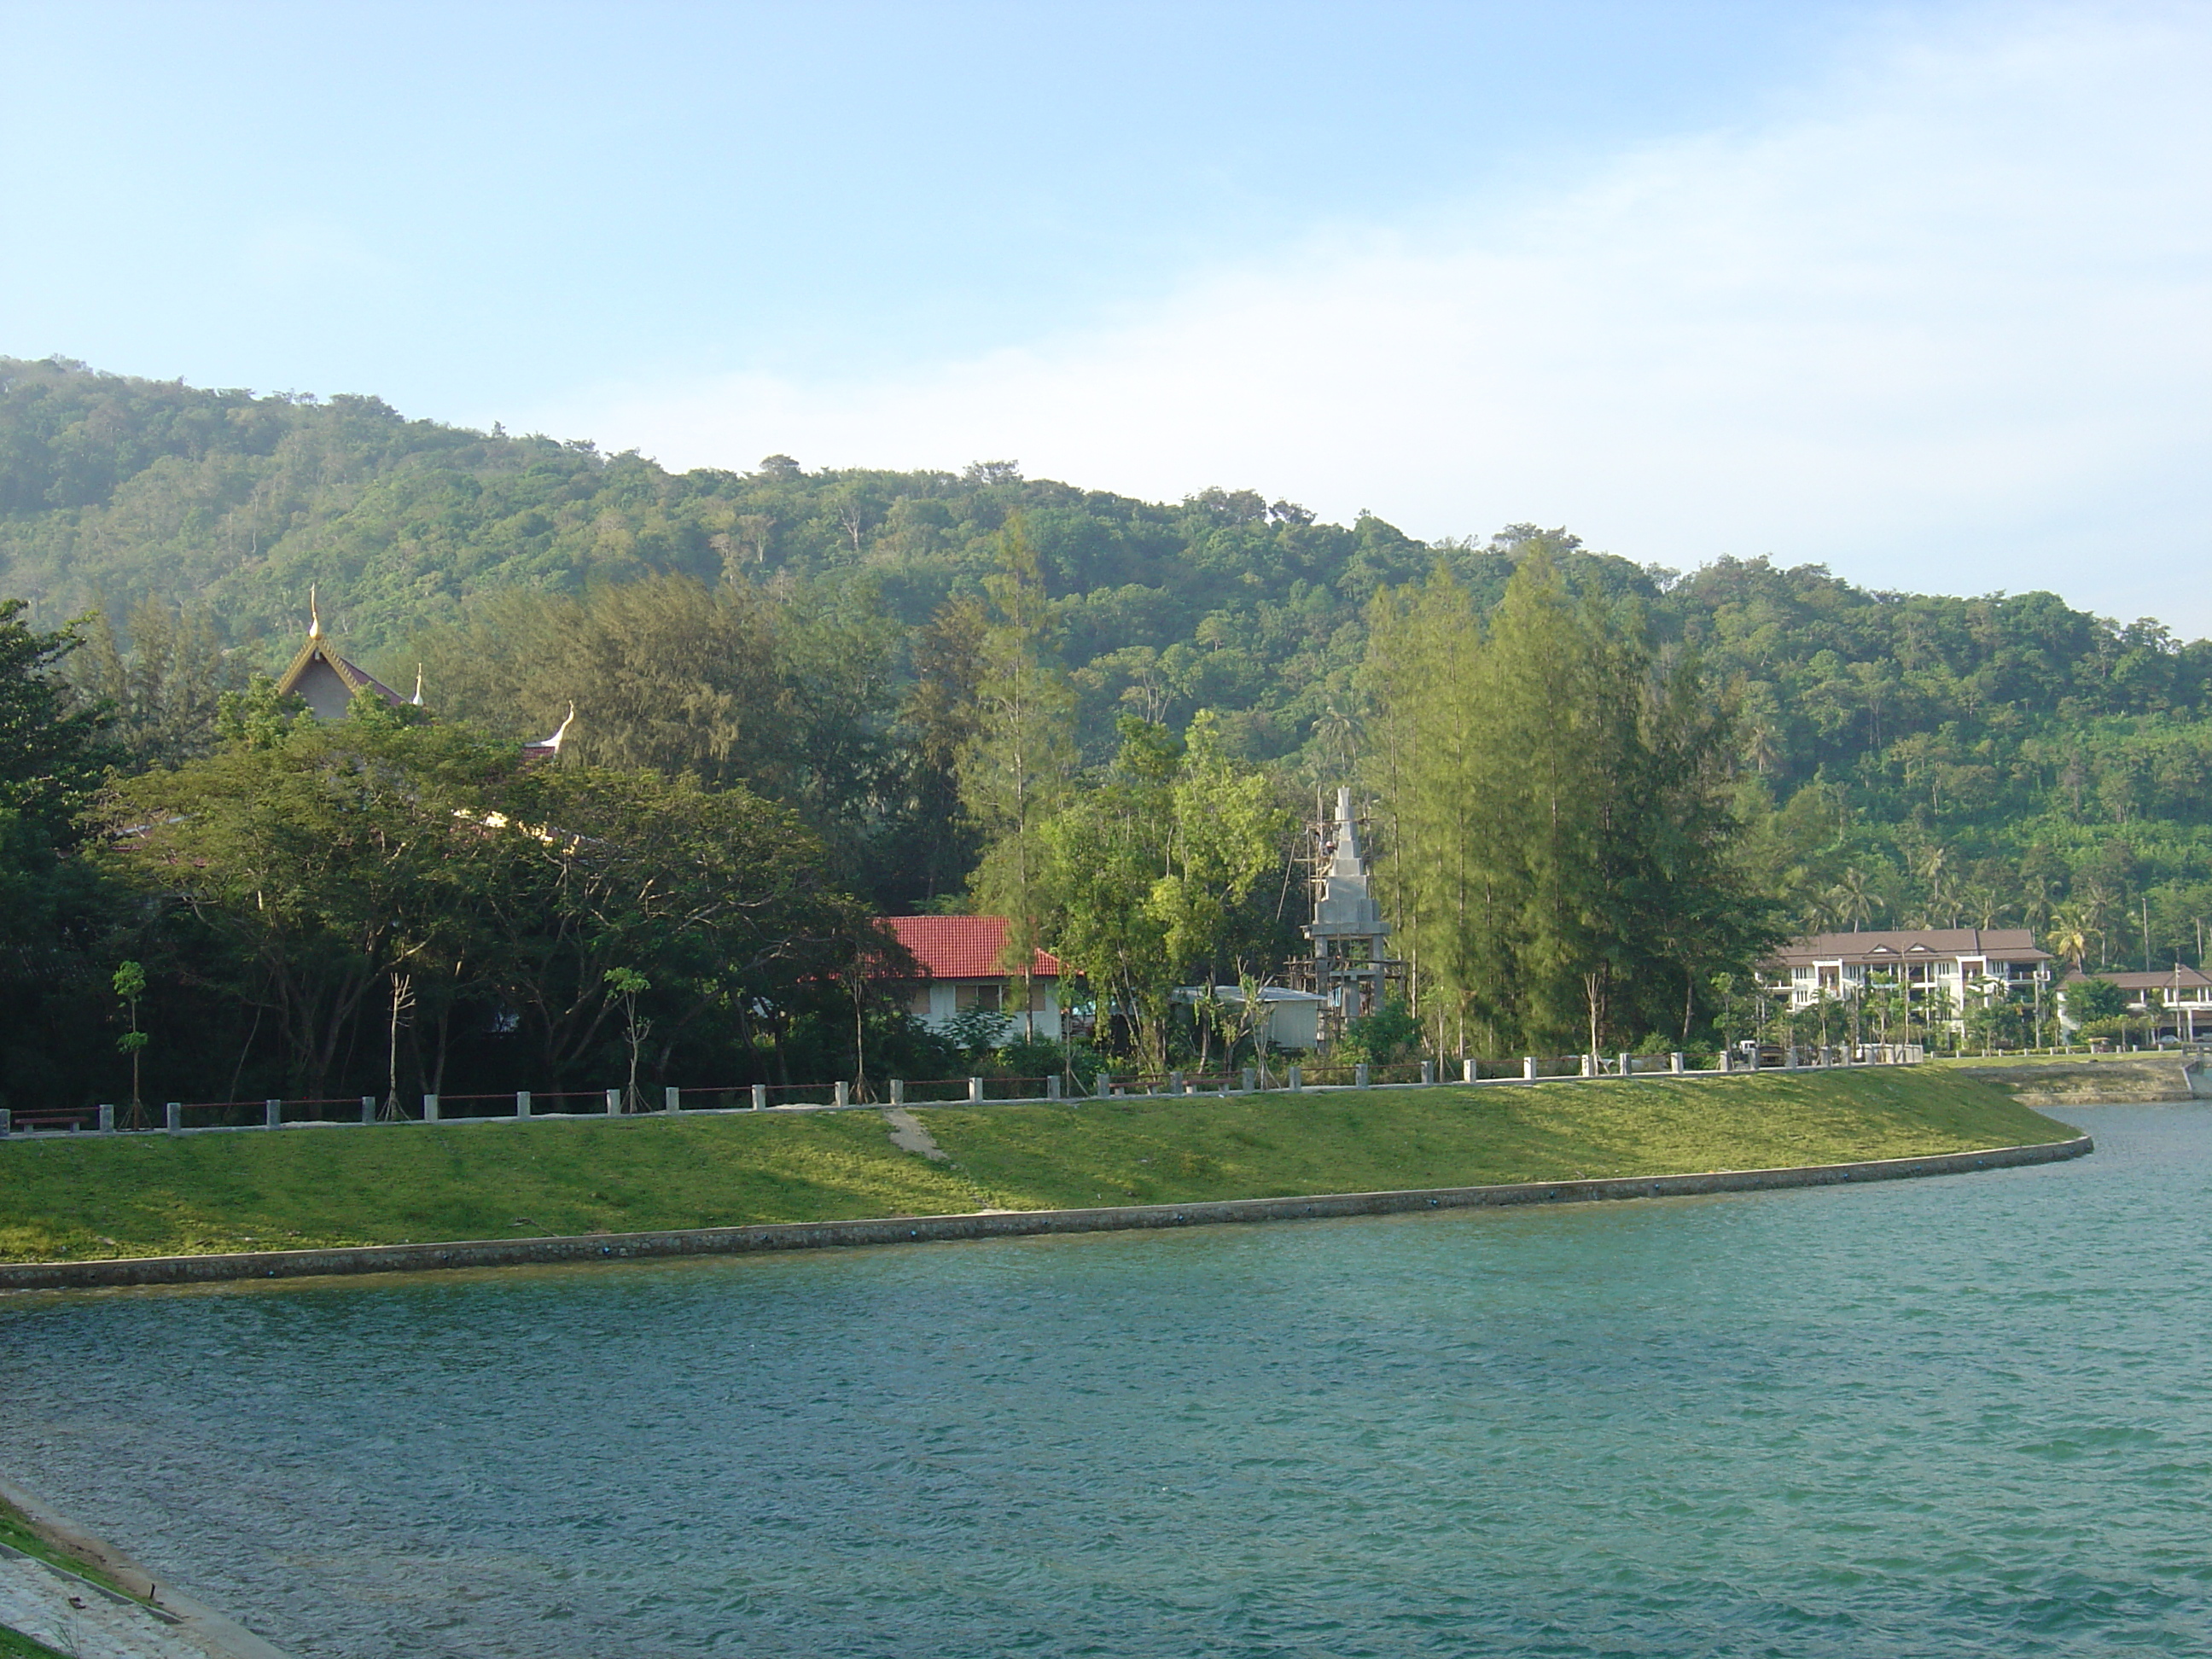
130 985
2090 999
323 858
1564 852
1147 870
629 984
1014 767
934 840
59 921
2069 935
583 909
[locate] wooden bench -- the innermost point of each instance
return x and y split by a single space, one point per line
86 1116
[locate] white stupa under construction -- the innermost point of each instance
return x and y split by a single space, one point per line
1351 941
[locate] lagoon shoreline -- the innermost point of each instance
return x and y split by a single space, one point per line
355 1260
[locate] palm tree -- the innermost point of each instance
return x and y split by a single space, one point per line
2069 934
1853 901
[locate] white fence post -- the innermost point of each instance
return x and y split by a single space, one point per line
368 1108
672 1098
523 1109
1251 1079
1428 1071
974 1090
1627 1064
1674 1064
1528 1068
1052 1087
844 1094
173 1118
898 1091
430 1107
108 1120
614 1103
1297 1079
272 1114
1469 1072
1360 1075
760 1096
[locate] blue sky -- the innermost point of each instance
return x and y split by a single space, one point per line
1915 290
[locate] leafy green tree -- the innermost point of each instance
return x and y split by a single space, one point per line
1146 872
322 860
2090 999
58 918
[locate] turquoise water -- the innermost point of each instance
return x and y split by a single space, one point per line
1958 1416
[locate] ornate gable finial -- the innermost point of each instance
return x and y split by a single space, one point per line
315 614
418 698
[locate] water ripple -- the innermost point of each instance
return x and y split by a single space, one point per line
1968 1417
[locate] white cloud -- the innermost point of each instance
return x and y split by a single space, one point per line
1945 327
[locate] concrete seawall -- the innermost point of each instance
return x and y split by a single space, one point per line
906 1230
2118 1080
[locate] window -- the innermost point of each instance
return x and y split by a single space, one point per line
985 996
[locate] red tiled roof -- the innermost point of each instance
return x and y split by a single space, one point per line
962 947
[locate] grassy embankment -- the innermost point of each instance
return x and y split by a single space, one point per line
152 1194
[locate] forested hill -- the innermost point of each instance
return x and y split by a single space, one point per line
113 490
1967 756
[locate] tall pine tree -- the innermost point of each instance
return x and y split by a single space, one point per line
1562 863
1014 766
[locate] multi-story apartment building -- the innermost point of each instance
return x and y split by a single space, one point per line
1965 965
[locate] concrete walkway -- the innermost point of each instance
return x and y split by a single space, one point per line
908 1136
73 1617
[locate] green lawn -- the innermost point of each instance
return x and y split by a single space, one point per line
151 1194
14 1644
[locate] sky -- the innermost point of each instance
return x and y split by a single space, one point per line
1916 291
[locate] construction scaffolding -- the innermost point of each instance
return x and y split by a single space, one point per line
1352 965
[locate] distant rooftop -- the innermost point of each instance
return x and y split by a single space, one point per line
963 947
1872 948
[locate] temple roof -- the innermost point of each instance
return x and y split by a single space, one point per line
325 679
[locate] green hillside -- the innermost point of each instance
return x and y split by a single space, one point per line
812 650
1952 759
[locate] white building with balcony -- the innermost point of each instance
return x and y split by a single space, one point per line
1953 968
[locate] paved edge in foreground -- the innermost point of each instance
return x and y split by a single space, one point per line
988 1223
202 1625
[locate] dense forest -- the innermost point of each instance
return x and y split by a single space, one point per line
823 640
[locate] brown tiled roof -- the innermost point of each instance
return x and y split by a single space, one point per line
1912 945
2165 979
963 947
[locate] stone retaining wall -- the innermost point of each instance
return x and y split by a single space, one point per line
818 1235
2121 1080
